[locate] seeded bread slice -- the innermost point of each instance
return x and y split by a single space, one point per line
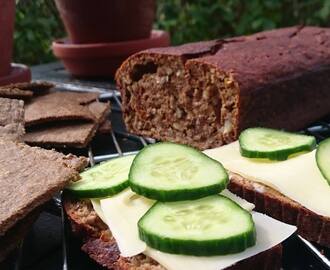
62 134
58 106
15 93
36 87
11 119
100 245
313 227
13 236
30 176
24 90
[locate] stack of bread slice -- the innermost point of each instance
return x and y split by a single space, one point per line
29 176
59 118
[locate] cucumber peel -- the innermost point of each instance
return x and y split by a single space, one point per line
323 159
175 172
273 144
213 225
103 180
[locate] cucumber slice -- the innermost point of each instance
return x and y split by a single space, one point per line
175 172
273 144
213 225
323 159
105 179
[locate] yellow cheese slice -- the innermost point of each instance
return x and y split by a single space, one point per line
298 178
123 211
97 207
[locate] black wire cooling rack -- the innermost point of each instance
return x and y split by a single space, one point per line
50 245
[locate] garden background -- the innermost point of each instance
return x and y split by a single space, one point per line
38 22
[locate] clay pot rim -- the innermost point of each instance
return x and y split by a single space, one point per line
65 43
103 59
18 73
63 48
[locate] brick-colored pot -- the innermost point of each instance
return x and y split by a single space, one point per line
103 59
107 20
7 19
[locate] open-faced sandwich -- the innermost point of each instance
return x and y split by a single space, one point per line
283 176
168 208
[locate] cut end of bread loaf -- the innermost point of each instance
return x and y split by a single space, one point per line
171 97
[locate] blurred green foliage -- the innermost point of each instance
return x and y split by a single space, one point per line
38 23
189 20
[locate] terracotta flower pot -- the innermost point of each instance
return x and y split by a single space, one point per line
7 19
107 20
102 59
18 73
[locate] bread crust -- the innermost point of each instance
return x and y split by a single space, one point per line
313 227
100 245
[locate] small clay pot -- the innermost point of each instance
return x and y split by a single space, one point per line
17 73
106 20
7 19
103 59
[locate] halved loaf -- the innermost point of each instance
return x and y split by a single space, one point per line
205 93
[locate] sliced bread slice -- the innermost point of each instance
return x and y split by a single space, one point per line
101 246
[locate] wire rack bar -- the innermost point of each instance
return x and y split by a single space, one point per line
91 156
120 152
18 261
65 265
315 251
102 158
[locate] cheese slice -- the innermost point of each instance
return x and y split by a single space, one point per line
243 203
122 212
97 207
298 178
270 233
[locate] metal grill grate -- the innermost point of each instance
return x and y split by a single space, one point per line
119 139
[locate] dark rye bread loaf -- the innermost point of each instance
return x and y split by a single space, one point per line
205 93
313 227
100 245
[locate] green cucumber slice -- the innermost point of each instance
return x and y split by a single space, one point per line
273 144
175 172
213 225
323 159
105 179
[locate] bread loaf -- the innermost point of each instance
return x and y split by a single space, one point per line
203 94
